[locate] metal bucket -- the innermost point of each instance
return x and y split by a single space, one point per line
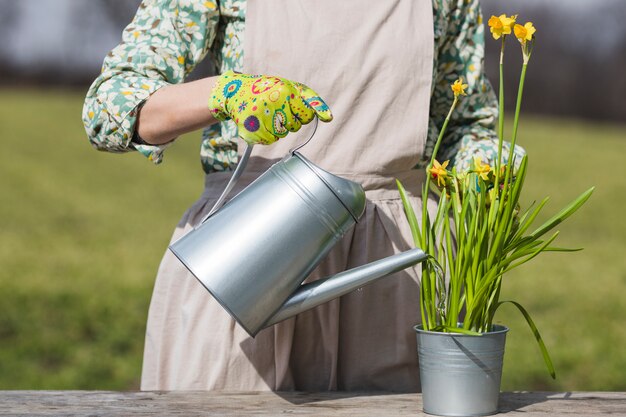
460 374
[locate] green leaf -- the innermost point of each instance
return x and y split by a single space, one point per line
505 219
538 338
525 222
533 253
557 249
451 329
410 215
563 214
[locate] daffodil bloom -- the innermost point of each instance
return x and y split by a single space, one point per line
524 33
501 25
458 88
439 172
481 169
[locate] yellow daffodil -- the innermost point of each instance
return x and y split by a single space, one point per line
439 172
510 21
501 25
458 88
524 33
481 169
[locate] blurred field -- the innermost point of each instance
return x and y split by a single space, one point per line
82 232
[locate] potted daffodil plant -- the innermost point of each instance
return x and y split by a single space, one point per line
478 234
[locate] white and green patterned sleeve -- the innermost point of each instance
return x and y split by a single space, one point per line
459 46
163 43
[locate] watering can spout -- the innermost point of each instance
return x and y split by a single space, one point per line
321 291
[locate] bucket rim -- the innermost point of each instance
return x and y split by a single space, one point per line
496 329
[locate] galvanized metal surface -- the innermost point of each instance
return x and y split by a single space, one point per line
318 292
271 236
461 374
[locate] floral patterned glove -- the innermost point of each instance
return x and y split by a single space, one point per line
265 108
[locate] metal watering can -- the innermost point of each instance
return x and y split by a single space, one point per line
253 253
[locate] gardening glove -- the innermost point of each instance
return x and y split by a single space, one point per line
487 150
265 108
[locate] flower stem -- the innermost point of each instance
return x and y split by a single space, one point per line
518 106
430 165
505 210
498 164
442 131
428 287
500 110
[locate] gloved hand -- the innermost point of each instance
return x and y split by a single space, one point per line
265 108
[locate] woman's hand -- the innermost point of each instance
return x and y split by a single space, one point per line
265 108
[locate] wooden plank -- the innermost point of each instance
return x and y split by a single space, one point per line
185 403
564 403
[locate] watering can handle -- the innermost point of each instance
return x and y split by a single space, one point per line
316 121
231 183
239 170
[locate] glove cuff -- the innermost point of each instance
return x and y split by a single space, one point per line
225 87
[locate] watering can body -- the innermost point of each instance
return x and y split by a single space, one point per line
254 253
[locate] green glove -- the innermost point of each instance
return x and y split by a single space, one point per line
265 108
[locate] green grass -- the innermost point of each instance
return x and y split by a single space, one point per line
82 233
81 236
577 299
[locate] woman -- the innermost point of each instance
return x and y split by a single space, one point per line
385 72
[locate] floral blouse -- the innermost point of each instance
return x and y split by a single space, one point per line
167 38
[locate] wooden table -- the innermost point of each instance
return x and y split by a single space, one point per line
193 403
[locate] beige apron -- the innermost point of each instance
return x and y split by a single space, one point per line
372 63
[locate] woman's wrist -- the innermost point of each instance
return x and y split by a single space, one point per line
174 110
